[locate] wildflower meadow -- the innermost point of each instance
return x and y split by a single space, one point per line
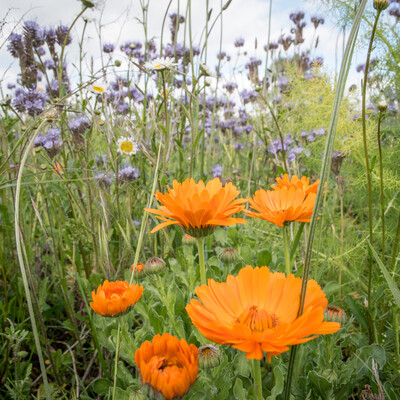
180 222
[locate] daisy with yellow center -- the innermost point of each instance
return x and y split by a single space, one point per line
127 146
98 87
159 64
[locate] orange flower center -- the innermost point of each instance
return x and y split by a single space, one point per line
258 320
114 293
162 363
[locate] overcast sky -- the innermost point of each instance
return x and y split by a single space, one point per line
119 20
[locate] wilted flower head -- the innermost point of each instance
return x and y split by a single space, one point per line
337 159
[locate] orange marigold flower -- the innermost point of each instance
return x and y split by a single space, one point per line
197 207
290 200
256 312
303 183
114 298
168 365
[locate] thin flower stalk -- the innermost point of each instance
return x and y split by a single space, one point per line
368 171
325 167
200 245
116 359
256 368
286 249
381 185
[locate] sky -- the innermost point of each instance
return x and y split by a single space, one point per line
117 21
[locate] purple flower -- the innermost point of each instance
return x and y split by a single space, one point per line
238 146
248 96
15 45
317 21
11 86
271 46
33 33
101 160
108 48
61 34
239 42
32 101
103 179
128 174
216 171
79 124
51 142
230 86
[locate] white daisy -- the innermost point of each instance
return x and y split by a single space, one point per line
98 87
159 64
205 69
127 146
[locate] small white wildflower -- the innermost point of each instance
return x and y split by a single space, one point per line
159 64
127 146
98 87
205 69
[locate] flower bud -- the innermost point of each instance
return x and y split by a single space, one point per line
381 5
335 314
382 106
88 3
154 265
337 160
209 356
117 63
228 255
188 240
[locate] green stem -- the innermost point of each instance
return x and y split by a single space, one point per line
381 185
296 241
286 249
395 246
200 245
325 167
364 132
257 379
21 260
116 360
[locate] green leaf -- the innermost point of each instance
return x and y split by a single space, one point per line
102 386
321 386
279 381
264 258
238 391
392 285
281 170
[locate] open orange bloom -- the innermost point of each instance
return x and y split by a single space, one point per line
303 183
168 365
114 298
197 207
256 312
290 200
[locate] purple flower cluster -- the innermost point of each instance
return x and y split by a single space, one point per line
32 101
230 86
317 21
108 48
51 142
216 171
103 179
313 134
239 42
248 96
128 174
79 125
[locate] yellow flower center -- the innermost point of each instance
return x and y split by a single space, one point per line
98 89
158 66
126 146
258 320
